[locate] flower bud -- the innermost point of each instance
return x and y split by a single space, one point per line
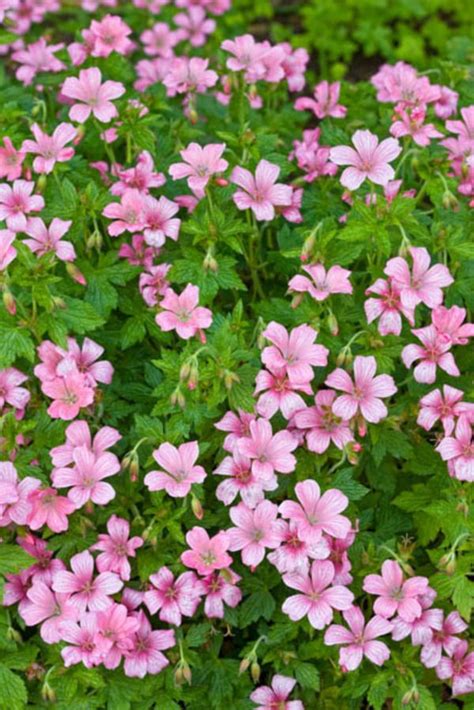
333 325
197 508
75 274
222 182
13 635
9 302
41 183
185 371
230 378
47 693
209 263
187 674
255 671
296 300
134 468
244 665
449 201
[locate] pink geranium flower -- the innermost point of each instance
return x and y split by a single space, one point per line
49 239
7 251
238 427
269 452
317 595
78 434
449 322
159 220
445 406
173 598
443 639
247 56
87 591
45 565
15 506
142 177
48 609
87 647
153 284
200 164
278 392
320 283
16 203
359 640
107 36
70 393
241 480
11 160
49 508
86 478
86 361
260 193
115 630
145 656
221 590
395 594
369 161
423 284
194 25
206 554
10 391
458 450
50 149
421 628
321 425
294 554
116 547
92 96
325 102
178 470
388 308
411 122
364 393
277 696
127 214
465 127
182 313
432 353
459 668
447 103
294 352
255 531
316 513
159 40
189 76
36 58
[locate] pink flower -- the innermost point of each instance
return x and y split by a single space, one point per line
48 609
15 506
423 284
278 393
459 668
255 531
321 425
115 630
248 56
194 25
145 656
7 251
70 393
269 452
394 593
128 214
158 219
49 239
311 157
321 283
189 76
173 598
182 313
221 589
116 547
295 353
237 425
433 353
206 554
200 164
294 554
241 481
138 253
450 323
411 122
388 307
153 284
159 40
261 193
317 597
16 202
45 567
107 36
294 65
37 58
421 629
359 641
78 434
363 395
10 391
51 509
443 639
316 513
179 470
276 697
87 591
292 213
86 477
10 160
92 96
86 361
50 149
444 406
325 102
464 128
458 450
370 159
142 177
87 646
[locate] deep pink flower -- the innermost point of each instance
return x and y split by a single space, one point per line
294 352
138 253
153 284
220 590
388 308
316 513
364 394
321 425
182 313
178 470
50 149
145 656
16 202
458 450
49 508
276 696
45 239
255 531
107 36
46 566
116 547
260 193
445 406
394 593
449 322
433 353
11 160
92 96
87 591
70 393
269 452
142 177
317 596
10 391
159 220
320 283
443 639
294 554
423 284
48 609
411 122
370 159
173 598
359 641
278 392
459 668
86 361
325 102
206 554
7 251
241 480
87 647
311 157
200 164
78 434
237 425
194 25
86 477
115 630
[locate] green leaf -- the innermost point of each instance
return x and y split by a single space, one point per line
345 483
13 559
13 694
307 676
80 316
14 343
255 606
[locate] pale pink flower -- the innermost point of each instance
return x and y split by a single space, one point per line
321 425
151 72
364 393
142 177
173 598
241 481
401 83
260 193
16 203
278 392
294 352
86 478
317 595
189 76
50 149
247 56
127 214
206 554
450 323
48 609
158 217
443 639
194 25
86 361
200 164
269 452
153 284
182 313
311 157
292 212
107 36
411 122
421 628
7 251
49 508
325 102
423 284
159 40
87 591
114 632
294 65
320 283
432 353
388 307
145 657
394 593
178 470
464 128
15 506
87 646
294 554
316 513
370 159
92 96
459 668
220 590
255 531
10 391
238 426
458 450
276 696
116 547
445 406
11 160
45 239
359 640
78 434
37 58
70 393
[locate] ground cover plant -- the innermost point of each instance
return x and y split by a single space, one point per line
236 394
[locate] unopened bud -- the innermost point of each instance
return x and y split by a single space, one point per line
59 302
75 274
178 675
449 201
193 376
9 302
80 133
47 693
209 263
185 371
244 665
222 182
450 568
255 671
333 325
13 635
230 378
187 674
177 398
41 183
134 469
197 508
296 300
308 247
